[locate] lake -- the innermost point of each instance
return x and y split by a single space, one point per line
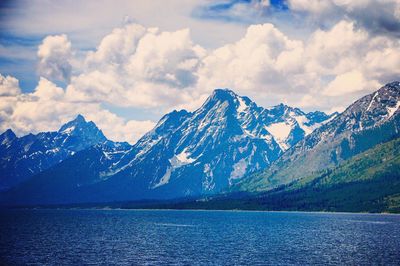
159 237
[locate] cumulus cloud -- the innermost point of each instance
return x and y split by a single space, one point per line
135 66
9 86
165 57
259 62
345 83
55 57
357 61
114 47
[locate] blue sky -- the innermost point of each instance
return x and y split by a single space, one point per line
124 66
222 10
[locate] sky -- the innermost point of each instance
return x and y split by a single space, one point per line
124 64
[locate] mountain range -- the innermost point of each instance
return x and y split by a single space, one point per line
369 121
226 147
24 157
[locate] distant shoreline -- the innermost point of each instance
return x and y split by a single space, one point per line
193 210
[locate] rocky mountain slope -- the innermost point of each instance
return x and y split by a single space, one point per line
368 182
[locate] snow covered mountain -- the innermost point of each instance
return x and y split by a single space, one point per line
369 121
187 153
204 152
22 158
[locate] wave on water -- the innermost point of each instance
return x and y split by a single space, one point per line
368 222
175 225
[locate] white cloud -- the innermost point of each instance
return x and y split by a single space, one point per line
46 90
115 46
165 57
346 83
337 49
258 63
9 86
55 57
135 66
117 128
355 61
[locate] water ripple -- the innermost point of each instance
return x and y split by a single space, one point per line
120 237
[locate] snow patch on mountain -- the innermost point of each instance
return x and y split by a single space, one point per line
371 102
280 132
239 170
304 122
55 150
392 110
68 130
242 105
176 161
183 157
208 181
165 179
106 155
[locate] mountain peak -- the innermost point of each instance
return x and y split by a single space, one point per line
224 91
70 126
79 126
80 119
7 136
392 88
239 102
283 109
377 107
223 94
393 84
8 132
225 98
283 106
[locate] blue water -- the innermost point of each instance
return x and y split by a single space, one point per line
141 237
